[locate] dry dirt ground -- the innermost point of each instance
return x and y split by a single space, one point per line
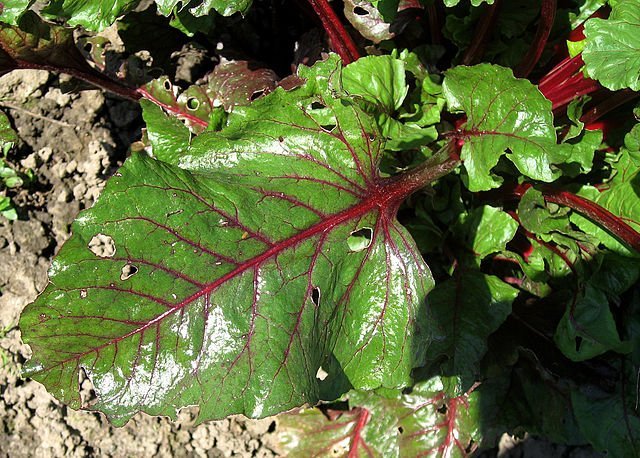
72 143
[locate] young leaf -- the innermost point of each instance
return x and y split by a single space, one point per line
485 230
229 285
503 113
612 50
438 418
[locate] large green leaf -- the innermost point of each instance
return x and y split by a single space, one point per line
437 419
611 421
503 114
463 321
612 50
230 275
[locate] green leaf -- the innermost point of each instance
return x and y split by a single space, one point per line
8 136
587 328
170 137
438 418
610 421
225 277
537 217
612 50
485 230
7 209
503 113
36 42
464 321
619 195
11 11
98 15
451 3
378 80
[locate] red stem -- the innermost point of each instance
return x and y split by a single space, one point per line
93 78
340 39
475 51
435 23
530 59
561 72
612 223
610 103
181 114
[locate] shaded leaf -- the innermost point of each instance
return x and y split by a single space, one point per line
612 49
588 329
503 113
464 321
8 136
611 421
229 280
438 418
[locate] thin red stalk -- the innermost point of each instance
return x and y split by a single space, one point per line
435 23
181 114
114 86
475 51
340 39
95 79
561 72
530 59
612 223
574 87
610 103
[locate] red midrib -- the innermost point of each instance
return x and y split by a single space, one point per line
383 196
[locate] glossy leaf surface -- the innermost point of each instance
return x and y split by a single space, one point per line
612 50
228 275
437 419
97 15
503 113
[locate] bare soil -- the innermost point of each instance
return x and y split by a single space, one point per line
72 143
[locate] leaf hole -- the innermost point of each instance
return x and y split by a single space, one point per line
83 294
315 296
88 47
400 429
318 106
443 409
328 127
371 136
193 103
578 343
360 11
272 427
256 94
128 271
102 246
280 138
361 239
321 374
167 85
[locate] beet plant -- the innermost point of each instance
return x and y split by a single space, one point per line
420 217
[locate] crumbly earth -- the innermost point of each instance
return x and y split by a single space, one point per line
72 143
